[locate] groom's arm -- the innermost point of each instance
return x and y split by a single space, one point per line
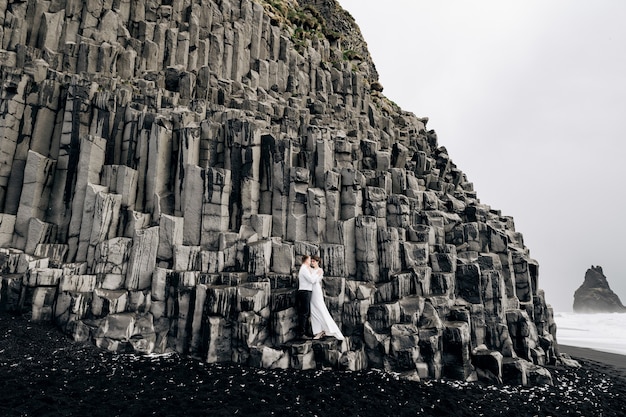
309 275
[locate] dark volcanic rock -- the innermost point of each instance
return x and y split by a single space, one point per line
164 164
595 295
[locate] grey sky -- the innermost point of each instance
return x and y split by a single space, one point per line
529 98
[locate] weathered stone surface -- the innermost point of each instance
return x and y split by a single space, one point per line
78 283
354 360
259 257
404 347
377 345
105 220
42 303
170 235
515 371
34 195
366 249
523 333
7 228
10 290
284 323
108 302
164 166
383 316
39 233
456 350
221 300
218 348
55 252
270 358
115 331
43 277
69 309
398 287
488 365
112 256
283 259
468 283
91 158
142 259
143 340
328 352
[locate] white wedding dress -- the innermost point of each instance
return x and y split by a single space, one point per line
320 317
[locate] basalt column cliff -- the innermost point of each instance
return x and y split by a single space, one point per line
164 164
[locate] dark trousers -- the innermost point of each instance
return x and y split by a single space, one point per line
303 306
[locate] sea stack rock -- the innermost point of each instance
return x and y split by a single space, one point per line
595 295
165 164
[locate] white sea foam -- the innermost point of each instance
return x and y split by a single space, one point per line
605 332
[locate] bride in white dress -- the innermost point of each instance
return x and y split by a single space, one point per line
322 322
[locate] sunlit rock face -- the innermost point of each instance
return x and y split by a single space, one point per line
164 165
595 294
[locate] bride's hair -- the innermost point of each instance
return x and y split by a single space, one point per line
316 259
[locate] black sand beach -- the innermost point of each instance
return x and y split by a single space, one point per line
611 362
42 373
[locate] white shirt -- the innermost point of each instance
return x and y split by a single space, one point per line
306 278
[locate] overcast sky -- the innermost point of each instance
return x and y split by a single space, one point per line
529 98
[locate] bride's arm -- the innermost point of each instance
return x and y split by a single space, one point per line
319 272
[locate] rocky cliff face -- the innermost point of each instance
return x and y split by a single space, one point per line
164 164
595 294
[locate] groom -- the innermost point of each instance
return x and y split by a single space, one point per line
306 279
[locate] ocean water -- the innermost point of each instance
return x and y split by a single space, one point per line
605 332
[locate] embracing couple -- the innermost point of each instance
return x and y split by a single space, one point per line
310 302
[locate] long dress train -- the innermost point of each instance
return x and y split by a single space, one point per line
320 317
